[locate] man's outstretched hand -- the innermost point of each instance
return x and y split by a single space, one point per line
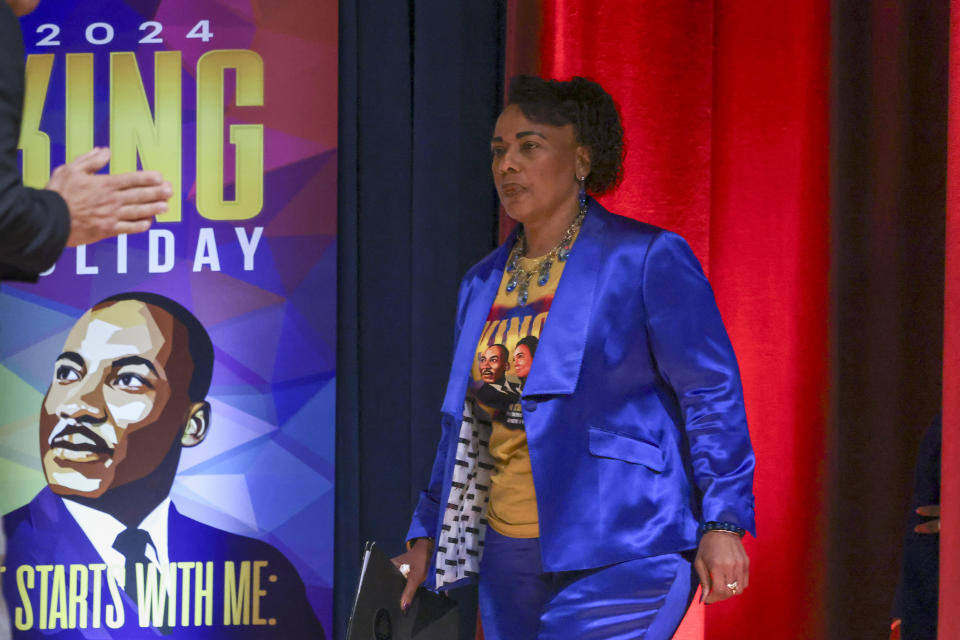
102 206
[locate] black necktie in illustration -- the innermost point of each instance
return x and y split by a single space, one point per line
132 543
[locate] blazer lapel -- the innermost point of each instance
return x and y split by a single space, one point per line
483 291
556 365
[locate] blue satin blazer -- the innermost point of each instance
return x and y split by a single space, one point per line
633 407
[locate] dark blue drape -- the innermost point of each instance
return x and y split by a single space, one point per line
420 89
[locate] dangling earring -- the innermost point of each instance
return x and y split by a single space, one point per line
582 196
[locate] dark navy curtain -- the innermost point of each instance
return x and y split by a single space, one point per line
420 89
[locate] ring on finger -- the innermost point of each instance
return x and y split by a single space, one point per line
733 586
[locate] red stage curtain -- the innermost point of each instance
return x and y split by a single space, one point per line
725 108
949 623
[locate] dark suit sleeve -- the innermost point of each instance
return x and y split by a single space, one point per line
34 223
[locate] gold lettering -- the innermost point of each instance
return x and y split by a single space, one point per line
58 599
35 143
172 589
77 597
42 607
151 596
517 330
133 130
524 327
258 592
79 104
538 324
23 618
488 331
203 600
115 613
501 330
97 571
185 568
246 138
236 594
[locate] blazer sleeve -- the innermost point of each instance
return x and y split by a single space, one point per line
34 223
427 512
694 356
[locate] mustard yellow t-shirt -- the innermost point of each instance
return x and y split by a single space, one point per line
500 369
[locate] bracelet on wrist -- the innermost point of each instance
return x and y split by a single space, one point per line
413 541
724 527
730 533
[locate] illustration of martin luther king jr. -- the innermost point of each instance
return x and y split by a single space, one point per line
128 393
496 392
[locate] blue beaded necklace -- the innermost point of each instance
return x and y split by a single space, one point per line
520 281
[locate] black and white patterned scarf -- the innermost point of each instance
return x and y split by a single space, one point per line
464 528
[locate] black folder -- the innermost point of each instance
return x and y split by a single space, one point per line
376 609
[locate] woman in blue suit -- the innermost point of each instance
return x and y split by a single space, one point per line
618 462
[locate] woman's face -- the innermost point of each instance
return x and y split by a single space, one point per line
522 361
535 167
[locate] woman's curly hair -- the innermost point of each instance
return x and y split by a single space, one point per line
593 114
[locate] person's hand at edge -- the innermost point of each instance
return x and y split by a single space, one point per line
721 562
417 558
930 526
102 206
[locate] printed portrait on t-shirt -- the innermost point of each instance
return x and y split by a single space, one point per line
504 359
507 347
496 393
504 362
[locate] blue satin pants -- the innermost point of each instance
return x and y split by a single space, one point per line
643 598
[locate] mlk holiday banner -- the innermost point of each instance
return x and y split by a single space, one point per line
167 423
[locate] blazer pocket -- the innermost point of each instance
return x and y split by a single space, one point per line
607 444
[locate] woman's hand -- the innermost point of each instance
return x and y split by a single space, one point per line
723 566
418 559
930 526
